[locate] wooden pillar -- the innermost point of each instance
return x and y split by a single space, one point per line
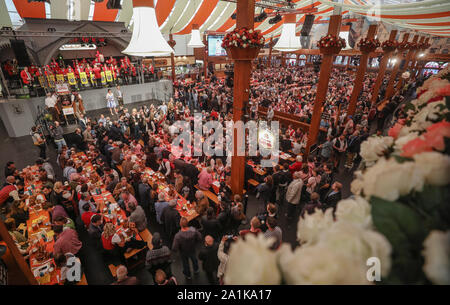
409 56
283 60
270 52
205 58
245 11
348 61
415 54
23 271
382 70
357 86
390 85
416 57
322 86
419 70
172 44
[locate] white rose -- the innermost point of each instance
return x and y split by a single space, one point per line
349 239
374 147
435 167
437 257
430 112
355 210
357 184
310 226
251 262
389 179
321 265
401 141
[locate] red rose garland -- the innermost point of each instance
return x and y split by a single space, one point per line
243 38
403 46
389 45
331 44
368 45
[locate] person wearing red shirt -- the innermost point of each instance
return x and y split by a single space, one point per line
255 225
97 74
297 166
27 79
87 215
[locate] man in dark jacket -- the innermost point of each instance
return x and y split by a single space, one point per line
333 196
210 261
171 220
144 195
211 225
192 172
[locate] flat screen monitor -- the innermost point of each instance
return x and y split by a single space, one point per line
215 46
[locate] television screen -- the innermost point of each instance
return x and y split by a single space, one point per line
215 46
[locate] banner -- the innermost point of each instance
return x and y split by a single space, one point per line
83 78
103 79
92 77
51 80
42 81
59 78
62 88
109 77
71 78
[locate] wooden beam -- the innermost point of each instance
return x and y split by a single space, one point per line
245 11
406 65
24 268
322 86
357 86
270 52
390 86
382 70
172 44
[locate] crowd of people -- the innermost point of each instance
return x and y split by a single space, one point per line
121 148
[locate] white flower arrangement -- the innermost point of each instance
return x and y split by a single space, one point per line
437 257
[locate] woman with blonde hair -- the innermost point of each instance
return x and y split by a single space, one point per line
107 236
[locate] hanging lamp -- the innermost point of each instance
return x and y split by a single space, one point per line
146 39
288 41
196 40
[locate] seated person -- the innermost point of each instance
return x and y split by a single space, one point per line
20 240
161 278
67 241
159 257
123 278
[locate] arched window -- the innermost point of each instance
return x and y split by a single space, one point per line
432 65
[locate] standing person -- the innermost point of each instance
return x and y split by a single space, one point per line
209 258
111 102
38 140
50 103
171 220
293 195
119 95
273 231
185 242
57 133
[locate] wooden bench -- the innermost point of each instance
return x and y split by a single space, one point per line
253 182
113 270
209 194
147 236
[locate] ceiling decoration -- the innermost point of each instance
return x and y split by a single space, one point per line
178 16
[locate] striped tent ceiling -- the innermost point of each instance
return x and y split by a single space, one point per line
176 16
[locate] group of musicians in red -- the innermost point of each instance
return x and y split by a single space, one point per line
93 69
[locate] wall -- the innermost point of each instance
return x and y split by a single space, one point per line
19 124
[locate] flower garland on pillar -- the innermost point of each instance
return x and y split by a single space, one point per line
368 45
331 44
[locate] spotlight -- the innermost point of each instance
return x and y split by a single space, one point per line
261 17
124 31
275 19
233 16
51 30
421 54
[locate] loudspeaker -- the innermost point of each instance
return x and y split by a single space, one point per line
20 52
113 5
307 25
305 41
